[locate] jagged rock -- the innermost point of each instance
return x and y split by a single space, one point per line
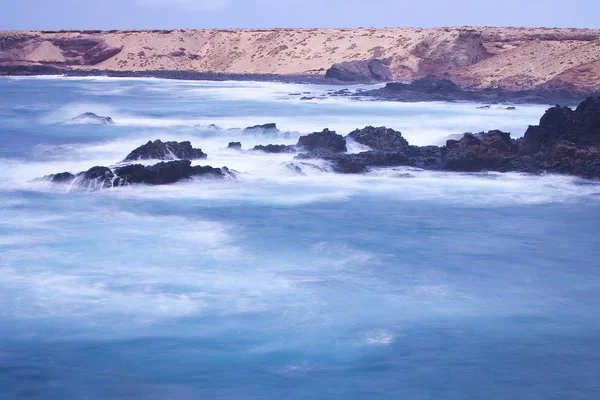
95 178
275 148
159 150
91 118
374 70
380 138
264 129
165 173
159 174
63 177
492 151
234 145
566 141
327 141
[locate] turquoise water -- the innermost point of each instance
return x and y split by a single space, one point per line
276 285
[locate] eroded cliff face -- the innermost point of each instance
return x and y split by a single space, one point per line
512 58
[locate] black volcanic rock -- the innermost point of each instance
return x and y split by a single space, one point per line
63 177
428 88
491 151
432 88
380 138
275 148
364 71
414 156
159 150
234 145
325 141
165 173
91 118
95 178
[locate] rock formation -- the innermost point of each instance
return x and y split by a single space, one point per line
361 71
159 150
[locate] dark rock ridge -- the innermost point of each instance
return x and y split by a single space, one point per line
363 71
159 150
91 118
234 145
264 129
566 141
432 88
325 141
380 138
275 148
159 174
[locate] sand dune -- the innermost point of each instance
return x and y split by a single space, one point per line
477 57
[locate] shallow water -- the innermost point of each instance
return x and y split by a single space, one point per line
378 286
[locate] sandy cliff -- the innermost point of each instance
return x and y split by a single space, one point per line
477 57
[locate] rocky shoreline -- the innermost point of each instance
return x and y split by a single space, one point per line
429 88
566 141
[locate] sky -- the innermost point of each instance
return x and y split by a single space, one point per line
169 14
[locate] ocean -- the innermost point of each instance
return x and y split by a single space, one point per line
395 284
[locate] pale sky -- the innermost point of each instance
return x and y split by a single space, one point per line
164 14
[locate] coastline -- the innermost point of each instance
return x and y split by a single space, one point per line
427 89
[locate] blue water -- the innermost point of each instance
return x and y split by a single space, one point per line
277 285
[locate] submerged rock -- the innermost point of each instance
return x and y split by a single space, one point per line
159 150
92 119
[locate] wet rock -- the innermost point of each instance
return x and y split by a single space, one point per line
275 148
491 151
95 178
159 150
164 173
380 138
63 177
422 157
264 129
327 141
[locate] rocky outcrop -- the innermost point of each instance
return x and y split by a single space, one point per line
566 141
234 145
159 150
163 173
92 119
166 172
326 141
260 130
362 71
491 151
380 138
275 148
431 88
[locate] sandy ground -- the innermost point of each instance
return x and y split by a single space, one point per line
472 56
